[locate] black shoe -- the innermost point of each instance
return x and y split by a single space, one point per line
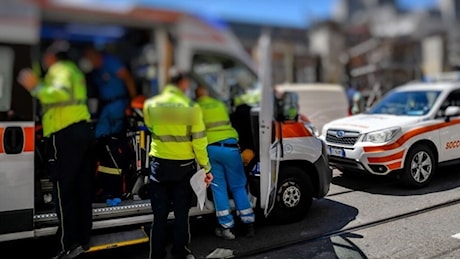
249 229
72 253
187 256
183 253
85 246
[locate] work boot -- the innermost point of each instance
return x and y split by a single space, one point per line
72 253
249 229
224 233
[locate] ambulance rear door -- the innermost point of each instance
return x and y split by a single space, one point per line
270 147
19 33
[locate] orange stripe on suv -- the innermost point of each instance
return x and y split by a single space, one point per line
388 158
408 136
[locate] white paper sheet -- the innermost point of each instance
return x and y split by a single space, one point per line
199 187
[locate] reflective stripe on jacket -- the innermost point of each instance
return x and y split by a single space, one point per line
62 96
176 124
216 120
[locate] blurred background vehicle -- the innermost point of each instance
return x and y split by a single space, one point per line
319 102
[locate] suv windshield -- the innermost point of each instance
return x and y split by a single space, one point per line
406 103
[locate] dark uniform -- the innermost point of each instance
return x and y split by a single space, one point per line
178 139
70 141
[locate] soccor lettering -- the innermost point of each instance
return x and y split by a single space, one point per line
453 144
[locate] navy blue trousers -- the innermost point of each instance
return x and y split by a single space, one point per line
72 165
170 191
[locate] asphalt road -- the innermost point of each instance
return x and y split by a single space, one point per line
390 221
362 217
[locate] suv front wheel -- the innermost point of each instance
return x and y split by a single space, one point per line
419 166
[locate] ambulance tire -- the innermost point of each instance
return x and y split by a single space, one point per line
294 196
419 166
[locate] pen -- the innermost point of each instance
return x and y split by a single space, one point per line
212 183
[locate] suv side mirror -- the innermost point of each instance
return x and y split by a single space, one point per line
451 111
288 107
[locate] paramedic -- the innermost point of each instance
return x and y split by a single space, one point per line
227 166
178 144
62 95
116 88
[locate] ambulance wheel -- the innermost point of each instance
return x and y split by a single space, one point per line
419 167
294 196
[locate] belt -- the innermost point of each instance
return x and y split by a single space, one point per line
172 162
225 145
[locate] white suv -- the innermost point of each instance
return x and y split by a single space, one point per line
410 131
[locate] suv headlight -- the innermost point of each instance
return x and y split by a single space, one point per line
381 136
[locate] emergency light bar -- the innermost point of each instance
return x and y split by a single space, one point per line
443 77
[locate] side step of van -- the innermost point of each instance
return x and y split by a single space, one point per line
118 239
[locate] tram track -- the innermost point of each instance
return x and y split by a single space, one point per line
316 237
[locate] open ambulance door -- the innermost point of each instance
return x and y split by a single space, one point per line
270 148
19 33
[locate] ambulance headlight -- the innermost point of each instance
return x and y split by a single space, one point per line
381 136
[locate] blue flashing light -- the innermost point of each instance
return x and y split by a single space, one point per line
80 34
213 21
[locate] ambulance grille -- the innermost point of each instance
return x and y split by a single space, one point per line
343 137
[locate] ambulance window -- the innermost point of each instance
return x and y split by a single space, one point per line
224 76
6 74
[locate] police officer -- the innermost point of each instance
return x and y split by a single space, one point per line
227 165
178 142
62 95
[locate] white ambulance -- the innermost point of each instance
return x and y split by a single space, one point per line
292 169
411 131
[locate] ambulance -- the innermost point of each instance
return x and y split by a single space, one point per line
292 165
409 133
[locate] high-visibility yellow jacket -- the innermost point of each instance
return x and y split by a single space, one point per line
216 120
176 124
62 95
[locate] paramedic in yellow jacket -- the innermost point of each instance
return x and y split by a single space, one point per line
178 143
227 166
62 96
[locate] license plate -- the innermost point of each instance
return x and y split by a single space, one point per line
335 151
